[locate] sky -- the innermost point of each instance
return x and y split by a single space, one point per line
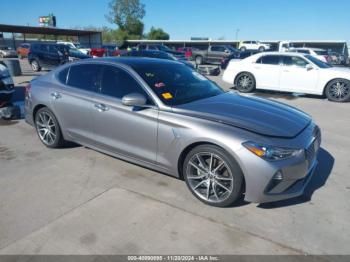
216 19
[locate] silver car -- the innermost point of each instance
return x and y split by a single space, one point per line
165 116
6 51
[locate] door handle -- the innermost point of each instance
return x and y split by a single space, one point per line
101 107
56 95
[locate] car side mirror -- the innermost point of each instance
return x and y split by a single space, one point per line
134 99
309 67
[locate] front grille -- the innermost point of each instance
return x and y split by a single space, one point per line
311 151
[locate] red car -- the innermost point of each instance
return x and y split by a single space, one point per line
187 51
97 52
23 50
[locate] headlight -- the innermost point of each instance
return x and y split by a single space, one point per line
7 81
270 152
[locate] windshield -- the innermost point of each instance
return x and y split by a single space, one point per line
231 49
317 62
164 48
321 52
177 84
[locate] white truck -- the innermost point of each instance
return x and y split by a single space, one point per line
84 50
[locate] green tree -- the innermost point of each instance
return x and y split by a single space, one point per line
157 34
127 15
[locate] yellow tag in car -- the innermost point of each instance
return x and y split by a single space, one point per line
167 96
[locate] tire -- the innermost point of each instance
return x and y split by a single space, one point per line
198 60
225 188
46 123
245 82
338 90
243 49
35 66
261 49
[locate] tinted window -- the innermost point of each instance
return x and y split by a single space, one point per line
43 48
218 48
321 52
118 83
151 47
62 76
303 51
294 61
86 76
269 60
53 49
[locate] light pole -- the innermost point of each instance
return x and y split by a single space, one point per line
237 31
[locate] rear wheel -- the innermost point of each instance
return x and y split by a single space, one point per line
35 66
213 176
261 49
199 60
338 90
48 128
243 49
245 83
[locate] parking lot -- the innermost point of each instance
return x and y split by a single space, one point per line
78 201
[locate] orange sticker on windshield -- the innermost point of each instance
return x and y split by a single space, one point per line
167 96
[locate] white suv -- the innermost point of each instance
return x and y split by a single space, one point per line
253 45
84 50
320 54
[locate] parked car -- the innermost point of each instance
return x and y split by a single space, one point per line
23 50
214 54
165 116
163 48
253 45
7 52
336 58
7 110
111 50
290 72
46 55
320 54
157 54
187 51
97 52
85 50
72 53
238 55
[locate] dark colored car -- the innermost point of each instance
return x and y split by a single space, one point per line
23 50
238 55
163 48
46 55
157 54
214 54
7 110
72 53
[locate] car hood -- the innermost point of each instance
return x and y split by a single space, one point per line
340 70
257 115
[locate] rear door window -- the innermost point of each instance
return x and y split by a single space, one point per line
269 60
86 77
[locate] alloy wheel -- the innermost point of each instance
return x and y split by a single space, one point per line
339 90
46 127
210 177
245 82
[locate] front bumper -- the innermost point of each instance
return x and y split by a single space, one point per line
269 181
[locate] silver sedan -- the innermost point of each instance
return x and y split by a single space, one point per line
165 116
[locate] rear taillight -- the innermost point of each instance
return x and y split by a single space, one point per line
27 88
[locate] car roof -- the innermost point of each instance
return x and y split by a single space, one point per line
308 48
133 61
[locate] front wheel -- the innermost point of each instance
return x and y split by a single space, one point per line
245 83
243 49
48 128
213 176
338 90
35 66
